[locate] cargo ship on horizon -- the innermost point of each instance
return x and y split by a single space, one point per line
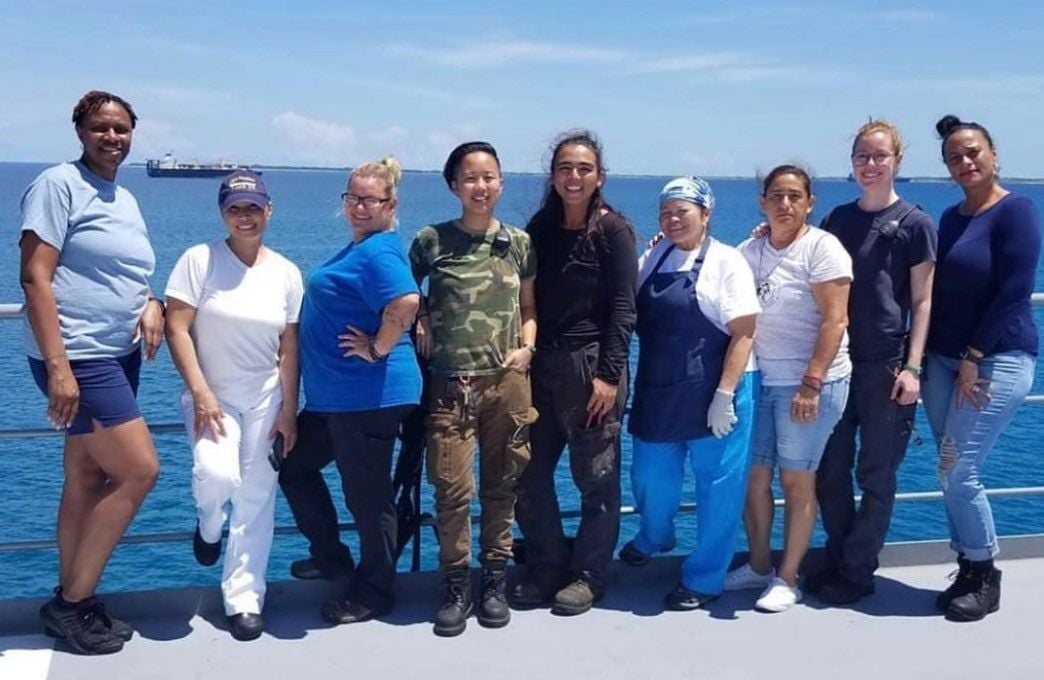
168 166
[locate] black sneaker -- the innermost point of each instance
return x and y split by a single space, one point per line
841 591
983 599
312 569
206 554
122 629
631 555
681 599
493 607
343 610
81 625
452 617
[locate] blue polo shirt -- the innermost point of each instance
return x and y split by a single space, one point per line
353 288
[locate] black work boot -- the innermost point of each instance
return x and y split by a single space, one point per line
453 613
493 608
983 599
961 585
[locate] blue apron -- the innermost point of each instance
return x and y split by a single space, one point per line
680 357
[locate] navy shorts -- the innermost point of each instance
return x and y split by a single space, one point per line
108 388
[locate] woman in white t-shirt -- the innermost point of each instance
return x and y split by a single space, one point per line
696 308
803 275
233 305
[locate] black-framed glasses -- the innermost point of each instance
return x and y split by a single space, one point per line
368 202
879 158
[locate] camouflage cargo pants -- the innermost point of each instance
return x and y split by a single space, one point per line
494 411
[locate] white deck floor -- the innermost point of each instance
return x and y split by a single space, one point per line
894 634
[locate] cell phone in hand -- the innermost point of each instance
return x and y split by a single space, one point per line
276 455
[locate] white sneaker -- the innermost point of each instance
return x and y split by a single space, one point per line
742 578
778 597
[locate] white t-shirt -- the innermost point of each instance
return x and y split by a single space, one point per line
789 322
241 312
725 290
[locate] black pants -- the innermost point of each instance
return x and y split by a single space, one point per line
561 381
856 536
361 443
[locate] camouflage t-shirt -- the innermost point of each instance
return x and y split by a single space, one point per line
473 290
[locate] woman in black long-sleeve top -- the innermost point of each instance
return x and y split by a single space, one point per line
586 271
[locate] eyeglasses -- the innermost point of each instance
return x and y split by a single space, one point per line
879 158
368 202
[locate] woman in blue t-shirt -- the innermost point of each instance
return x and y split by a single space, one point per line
86 260
982 349
361 380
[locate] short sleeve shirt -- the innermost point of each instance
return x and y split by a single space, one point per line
790 320
473 294
101 283
241 313
725 289
884 246
352 288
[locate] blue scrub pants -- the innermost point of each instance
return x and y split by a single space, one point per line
720 467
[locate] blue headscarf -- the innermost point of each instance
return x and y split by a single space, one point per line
691 189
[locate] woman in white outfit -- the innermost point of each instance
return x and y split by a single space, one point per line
232 327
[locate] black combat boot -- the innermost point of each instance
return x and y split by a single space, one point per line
453 613
983 599
493 609
961 585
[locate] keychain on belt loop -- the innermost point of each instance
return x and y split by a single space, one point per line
467 406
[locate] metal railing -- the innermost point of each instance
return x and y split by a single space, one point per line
14 311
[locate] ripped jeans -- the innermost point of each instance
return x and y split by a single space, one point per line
965 436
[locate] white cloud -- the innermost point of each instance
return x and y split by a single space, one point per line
389 136
513 52
153 138
317 141
689 62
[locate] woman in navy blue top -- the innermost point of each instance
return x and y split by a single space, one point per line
981 350
357 393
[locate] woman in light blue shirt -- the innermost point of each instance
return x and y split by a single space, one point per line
85 264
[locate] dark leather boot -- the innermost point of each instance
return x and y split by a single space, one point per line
960 586
983 599
452 617
493 609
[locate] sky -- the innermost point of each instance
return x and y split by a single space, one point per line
711 88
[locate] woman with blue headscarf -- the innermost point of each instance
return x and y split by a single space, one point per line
694 390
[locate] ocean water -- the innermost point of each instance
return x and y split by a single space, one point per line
307 227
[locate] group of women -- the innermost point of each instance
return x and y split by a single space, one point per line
773 354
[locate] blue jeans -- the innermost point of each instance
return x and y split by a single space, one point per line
966 435
720 467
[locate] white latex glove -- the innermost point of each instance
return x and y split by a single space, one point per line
721 416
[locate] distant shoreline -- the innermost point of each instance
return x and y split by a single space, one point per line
326 168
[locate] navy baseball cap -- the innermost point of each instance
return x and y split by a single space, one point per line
243 186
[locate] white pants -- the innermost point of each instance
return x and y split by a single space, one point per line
234 470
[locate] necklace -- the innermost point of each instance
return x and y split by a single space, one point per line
764 288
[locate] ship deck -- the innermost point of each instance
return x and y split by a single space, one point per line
894 634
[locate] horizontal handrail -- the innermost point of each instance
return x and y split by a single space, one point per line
13 310
179 428
625 510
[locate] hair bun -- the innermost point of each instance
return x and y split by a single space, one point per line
947 124
394 168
